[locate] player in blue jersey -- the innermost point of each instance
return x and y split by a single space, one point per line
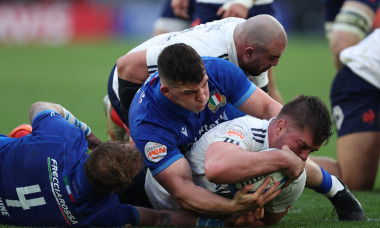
169 113
49 179
347 22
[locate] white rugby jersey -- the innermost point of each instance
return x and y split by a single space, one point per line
213 39
248 132
364 58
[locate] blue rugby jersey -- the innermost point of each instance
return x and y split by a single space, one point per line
42 182
162 130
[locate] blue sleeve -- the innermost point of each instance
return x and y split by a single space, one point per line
110 212
51 123
160 149
229 78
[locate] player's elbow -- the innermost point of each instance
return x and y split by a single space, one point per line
213 171
123 68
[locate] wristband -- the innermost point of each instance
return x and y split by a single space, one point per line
209 222
71 119
246 3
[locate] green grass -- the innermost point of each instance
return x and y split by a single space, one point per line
76 77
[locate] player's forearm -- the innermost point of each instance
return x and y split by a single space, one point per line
228 163
150 217
202 201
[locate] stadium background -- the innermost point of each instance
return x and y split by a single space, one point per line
63 51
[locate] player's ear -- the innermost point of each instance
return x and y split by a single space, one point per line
280 127
164 89
248 52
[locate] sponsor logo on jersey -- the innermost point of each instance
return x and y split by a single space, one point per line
184 130
3 209
55 187
216 100
235 134
207 127
154 152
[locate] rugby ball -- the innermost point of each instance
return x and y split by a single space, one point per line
257 181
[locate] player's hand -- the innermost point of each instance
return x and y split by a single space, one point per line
245 202
180 8
234 10
249 219
93 141
295 166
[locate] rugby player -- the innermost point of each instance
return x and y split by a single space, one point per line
355 101
169 114
49 178
347 22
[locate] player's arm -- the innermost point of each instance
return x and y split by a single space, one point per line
180 8
38 107
132 67
236 8
272 218
261 105
351 24
272 88
229 163
177 180
151 217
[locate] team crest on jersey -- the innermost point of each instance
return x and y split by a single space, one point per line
154 152
236 134
216 100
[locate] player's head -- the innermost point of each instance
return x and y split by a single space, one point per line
111 165
183 77
303 124
260 41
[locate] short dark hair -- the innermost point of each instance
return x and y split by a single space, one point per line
111 165
181 64
310 112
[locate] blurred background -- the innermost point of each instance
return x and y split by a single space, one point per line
59 22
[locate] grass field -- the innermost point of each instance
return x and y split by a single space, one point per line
76 77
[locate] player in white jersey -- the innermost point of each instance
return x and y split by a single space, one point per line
355 101
221 154
233 39
224 155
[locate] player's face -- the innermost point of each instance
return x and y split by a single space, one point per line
300 142
191 96
260 60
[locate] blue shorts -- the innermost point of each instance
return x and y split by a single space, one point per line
206 12
332 7
355 103
115 102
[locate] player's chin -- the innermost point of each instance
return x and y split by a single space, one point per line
200 108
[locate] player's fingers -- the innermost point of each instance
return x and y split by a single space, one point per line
220 11
263 186
245 189
271 193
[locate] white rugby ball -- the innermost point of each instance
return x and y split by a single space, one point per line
257 181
